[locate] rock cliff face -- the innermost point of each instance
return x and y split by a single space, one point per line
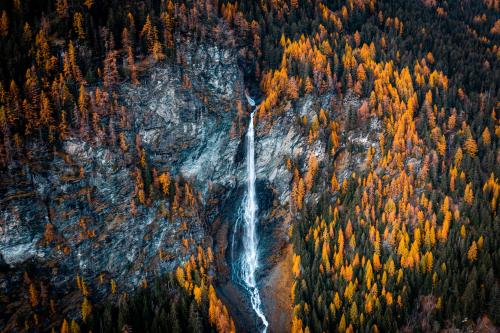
187 130
73 212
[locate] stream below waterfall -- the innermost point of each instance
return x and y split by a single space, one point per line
245 267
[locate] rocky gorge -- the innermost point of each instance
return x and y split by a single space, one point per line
72 216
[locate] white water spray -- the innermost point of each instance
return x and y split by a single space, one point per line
250 262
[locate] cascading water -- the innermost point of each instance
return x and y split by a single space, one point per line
249 258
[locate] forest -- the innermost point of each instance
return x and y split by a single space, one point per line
407 240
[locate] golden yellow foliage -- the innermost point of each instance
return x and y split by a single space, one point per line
296 265
472 253
470 146
86 309
468 194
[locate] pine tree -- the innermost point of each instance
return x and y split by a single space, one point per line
75 328
197 291
472 253
342 324
148 33
88 3
361 73
308 87
486 136
65 326
86 309
33 295
78 25
4 24
110 70
164 180
470 146
292 89
301 189
296 265
334 183
130 56
45 110
468 194
353 313
62 8
195 320
113 286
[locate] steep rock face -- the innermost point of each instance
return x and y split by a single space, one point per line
21 226
287 139
187 130
75 209
71 214
89 210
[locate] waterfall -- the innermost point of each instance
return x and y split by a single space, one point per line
250 256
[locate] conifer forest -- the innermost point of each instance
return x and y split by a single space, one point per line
249 166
